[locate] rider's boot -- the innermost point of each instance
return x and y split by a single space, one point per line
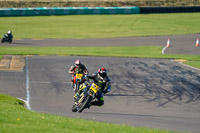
76 95
89 106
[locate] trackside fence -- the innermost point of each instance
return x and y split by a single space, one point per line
45 11
67 11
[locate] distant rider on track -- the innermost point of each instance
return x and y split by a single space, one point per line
77 68
7 37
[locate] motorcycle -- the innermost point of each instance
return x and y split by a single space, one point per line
78 79
85 98
7 39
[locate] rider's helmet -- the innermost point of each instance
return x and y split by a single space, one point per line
9 32
102 72
77 62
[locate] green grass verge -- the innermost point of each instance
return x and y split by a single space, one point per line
101 26
128 51
14 118
138 51
193 63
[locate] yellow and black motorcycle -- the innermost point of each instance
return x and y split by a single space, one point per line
86 97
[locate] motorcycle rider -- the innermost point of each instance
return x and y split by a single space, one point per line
103 81
9 34
7 37
77 68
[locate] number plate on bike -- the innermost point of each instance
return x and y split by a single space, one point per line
79 76
94 87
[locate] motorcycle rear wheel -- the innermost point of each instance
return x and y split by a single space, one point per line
3 40
10 41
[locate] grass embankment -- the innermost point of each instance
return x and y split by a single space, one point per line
137 51
14 118
101 26
95 3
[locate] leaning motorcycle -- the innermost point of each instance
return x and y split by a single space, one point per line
85 98
78 79
6 39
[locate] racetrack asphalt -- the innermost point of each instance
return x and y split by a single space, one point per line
155 93
184 44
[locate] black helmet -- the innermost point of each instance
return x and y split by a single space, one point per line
102 72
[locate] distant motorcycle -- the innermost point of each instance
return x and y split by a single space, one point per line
86 97
7 39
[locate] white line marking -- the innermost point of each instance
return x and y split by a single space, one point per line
189 66
163 50
27 86
24 102
180 62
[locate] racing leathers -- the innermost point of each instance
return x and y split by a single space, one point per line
9 35
80 69
104 83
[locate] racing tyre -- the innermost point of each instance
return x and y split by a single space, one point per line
10 41
74 108
3 40
85 103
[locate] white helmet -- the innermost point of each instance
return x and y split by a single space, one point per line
77 62
9 32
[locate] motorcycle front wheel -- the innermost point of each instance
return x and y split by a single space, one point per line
86 102
77 85
74 108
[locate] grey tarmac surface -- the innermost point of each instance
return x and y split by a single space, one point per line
155 93
184 44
